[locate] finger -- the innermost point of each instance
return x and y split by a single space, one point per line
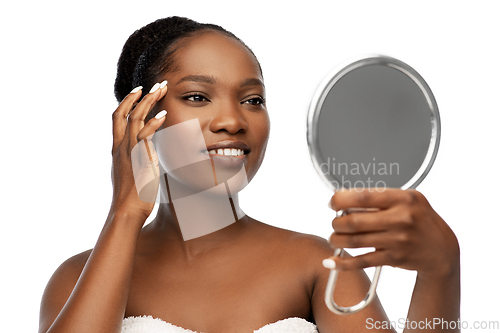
370 198
152 126
120 116
163 91
361 222
145 169
371 259
147 133
145 164
370 239
138 115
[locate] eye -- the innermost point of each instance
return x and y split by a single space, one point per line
195 97
255 101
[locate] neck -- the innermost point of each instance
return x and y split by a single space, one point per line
198 221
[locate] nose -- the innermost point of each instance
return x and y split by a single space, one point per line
229 118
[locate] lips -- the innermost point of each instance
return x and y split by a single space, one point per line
227 155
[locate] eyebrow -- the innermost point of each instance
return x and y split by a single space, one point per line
197 78
211 80
252 82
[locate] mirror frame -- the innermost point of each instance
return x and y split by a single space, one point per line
329 82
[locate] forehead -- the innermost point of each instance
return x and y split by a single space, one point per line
215 54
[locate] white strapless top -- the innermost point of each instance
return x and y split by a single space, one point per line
148 324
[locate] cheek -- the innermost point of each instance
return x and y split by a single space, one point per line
263 128
180 153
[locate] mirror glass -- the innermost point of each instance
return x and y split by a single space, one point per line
373 123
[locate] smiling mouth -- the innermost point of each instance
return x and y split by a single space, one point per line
227 149
230 152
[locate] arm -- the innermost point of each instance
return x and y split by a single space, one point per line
93 299
407 233
435 304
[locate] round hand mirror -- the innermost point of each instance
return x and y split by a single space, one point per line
373 123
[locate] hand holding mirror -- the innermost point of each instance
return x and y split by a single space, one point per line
372 124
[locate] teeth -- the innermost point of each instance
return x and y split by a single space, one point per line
227 152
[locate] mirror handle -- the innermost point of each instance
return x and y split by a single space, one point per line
332 280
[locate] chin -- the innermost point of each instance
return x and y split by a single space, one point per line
203 177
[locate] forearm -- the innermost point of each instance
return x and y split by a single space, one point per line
98 300
435 304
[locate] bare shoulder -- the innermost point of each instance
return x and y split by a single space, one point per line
306 252
296 243
70 270
298 258
59 288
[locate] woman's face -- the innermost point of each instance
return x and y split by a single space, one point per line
216 92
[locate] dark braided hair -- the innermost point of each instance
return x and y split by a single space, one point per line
148 52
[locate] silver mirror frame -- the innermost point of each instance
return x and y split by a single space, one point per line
316 156
334 76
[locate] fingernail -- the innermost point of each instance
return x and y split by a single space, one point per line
329 263
161 114
163 84
136 89
154 88
330 205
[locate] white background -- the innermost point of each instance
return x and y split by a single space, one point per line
58 67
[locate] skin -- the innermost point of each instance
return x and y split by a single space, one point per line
248 274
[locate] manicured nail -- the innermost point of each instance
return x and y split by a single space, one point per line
136 89
163 84
330 204
329 263
161 114
154 88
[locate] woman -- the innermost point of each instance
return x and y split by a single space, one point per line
231 276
